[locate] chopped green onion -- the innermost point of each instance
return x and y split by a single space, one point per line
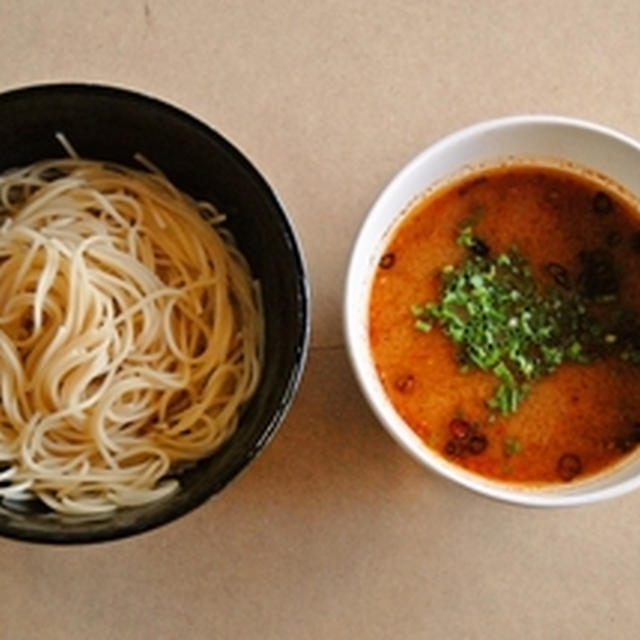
512 446
422 325
504 323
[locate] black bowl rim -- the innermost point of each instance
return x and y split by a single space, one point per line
302 339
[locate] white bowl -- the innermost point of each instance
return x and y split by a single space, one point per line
528 136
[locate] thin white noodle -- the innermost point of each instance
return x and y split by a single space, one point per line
130 334
66 145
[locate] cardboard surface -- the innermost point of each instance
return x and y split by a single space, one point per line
334 532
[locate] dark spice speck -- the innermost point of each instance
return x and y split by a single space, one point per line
460 429
569 466
452 448
601 203
479 247
477 444
405 383
387 261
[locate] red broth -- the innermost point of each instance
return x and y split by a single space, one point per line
574 422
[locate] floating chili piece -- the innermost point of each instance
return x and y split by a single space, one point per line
479 247
405 383
569 466
387 261
460 429
477 444
452 448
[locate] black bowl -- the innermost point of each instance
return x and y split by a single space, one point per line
114 124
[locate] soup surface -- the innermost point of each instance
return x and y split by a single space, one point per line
503 323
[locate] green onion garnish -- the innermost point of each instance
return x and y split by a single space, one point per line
505 323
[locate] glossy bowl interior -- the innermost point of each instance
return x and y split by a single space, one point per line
114 124
546 138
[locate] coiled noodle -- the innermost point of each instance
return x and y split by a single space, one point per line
130 332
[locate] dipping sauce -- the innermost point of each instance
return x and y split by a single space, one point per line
503 323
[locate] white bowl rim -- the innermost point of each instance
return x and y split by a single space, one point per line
352 326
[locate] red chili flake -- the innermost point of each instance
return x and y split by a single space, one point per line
477 444
387 261
405 384
569 466
460 429
452 448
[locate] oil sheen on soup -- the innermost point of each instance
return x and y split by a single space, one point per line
503 323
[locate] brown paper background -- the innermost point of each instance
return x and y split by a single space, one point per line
334 532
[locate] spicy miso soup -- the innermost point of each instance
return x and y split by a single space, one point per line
504 323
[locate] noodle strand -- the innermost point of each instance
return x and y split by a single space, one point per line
130 334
